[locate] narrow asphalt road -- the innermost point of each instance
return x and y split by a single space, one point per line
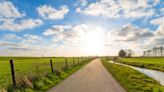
91 78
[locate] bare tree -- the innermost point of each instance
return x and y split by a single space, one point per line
161 50
155 51
149 52
129 52
144 53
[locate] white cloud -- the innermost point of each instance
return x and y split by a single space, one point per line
83 2
32 39
4 43
23 46
11 37
129 37
19 49
159 21
155 2
66 32
62 33
162 10
119 8
21 25
100 9
158 38
160 30
79 39
26 39
8 11
132 33
155 41
56 29
137 38
48 12
13 20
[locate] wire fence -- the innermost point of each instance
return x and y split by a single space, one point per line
14 69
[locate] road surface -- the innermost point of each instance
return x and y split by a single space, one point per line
91 78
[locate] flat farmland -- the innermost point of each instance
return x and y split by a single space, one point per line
156 63
30 66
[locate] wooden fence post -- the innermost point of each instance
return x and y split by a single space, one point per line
66 63
73 61
78 60
52 69
13 73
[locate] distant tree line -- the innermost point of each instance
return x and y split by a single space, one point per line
125 53
156 51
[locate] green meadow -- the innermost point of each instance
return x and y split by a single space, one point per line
156 63
31 66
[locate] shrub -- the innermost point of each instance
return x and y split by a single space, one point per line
58 72
38 84
47 81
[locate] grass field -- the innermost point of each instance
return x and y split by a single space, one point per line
156 63
132 80
30 66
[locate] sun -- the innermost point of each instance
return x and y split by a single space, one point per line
93 41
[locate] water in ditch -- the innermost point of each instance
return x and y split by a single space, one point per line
157 75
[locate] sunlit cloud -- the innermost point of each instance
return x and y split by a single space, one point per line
48 12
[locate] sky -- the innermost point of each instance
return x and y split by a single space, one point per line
79 27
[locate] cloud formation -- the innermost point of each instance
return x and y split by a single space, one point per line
48 12
11 18
130 32
56 29
20 25
9 11
119 24
119 8
159 21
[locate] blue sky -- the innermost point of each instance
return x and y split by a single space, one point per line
60 27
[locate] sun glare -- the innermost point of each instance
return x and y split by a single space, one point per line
93 41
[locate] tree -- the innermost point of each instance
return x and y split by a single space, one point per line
129 53
122 53
155 51
149 52
161 50
144 53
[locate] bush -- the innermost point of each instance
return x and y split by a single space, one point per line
38 84
47 81
58 72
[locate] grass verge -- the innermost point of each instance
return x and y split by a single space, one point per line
132 80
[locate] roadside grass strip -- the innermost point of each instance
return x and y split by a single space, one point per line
132 80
